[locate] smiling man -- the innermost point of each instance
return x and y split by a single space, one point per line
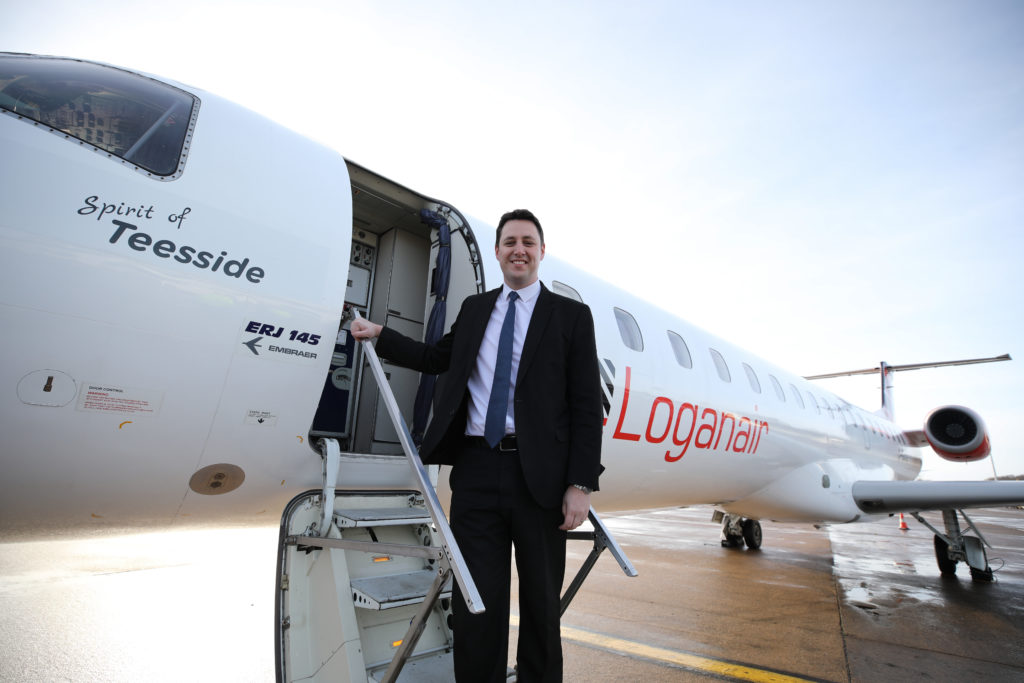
517 412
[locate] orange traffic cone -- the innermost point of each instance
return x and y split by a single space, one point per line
903 525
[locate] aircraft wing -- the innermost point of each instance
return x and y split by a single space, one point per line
877 497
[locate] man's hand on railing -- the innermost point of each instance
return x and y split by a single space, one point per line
363 330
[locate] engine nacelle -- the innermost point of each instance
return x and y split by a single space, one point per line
957 433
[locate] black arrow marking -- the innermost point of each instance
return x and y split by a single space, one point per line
252 344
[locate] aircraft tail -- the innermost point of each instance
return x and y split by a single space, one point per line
887 410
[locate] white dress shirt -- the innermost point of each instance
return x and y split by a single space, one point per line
483 372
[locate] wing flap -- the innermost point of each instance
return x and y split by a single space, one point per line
879 497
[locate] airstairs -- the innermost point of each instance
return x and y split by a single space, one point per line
365 576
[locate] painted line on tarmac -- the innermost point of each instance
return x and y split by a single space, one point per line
740 672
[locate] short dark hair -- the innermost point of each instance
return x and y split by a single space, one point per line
518 215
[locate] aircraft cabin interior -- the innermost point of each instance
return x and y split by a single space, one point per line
394 278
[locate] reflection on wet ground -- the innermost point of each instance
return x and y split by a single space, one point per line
174 606
900 613
857 602
850 603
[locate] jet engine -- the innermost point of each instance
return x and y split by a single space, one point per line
957 433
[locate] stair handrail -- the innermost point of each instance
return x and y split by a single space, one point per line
603 540
474 602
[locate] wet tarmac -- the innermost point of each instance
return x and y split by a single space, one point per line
859 602
852 603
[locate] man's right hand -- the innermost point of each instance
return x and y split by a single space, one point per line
363 329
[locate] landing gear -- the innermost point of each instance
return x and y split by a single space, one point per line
947 565
731 541
752 533
737 531
981 574
953 546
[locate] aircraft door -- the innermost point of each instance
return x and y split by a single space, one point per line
337 400
399 299
334 412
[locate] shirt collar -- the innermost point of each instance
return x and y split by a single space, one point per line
527 293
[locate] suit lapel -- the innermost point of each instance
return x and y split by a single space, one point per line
477 324
538 323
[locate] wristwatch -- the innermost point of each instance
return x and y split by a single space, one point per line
586 489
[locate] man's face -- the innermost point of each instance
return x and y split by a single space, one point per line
519 253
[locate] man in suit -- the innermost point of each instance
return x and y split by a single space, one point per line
526 449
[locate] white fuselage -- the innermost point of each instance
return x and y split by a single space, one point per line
153 328
679 435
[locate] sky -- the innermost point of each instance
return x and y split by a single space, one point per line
826 184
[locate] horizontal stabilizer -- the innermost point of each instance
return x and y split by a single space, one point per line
876 497
911 366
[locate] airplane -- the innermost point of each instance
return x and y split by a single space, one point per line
178 274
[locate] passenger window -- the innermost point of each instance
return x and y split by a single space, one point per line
143 122
778 388
797 396
565 290
681 350
629 330
752 378
720 366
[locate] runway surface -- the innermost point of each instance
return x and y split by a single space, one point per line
857 602
860 602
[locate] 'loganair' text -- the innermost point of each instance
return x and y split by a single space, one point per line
715 431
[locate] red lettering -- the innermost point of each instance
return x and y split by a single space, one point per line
619 434
744 432
705 428
732 429
685 443
760 426
661 400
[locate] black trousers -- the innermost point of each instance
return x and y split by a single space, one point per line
491 512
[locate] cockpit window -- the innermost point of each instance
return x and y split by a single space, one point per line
145 123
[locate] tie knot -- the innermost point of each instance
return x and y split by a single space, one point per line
512 296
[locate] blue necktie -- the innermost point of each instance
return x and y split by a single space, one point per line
497 406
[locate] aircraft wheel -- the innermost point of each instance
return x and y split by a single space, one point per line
947 567
752 533
732 542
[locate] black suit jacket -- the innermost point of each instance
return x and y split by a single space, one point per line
557 402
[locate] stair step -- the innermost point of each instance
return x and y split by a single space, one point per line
394 590
362 517
437 668
432 669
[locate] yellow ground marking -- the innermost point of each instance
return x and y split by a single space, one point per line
739 672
